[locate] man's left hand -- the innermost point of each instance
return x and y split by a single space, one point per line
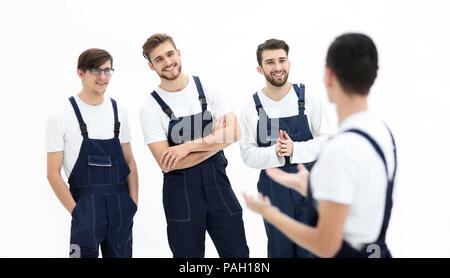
172 155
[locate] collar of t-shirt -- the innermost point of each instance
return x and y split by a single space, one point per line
80 102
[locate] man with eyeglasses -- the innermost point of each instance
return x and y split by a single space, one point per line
90 138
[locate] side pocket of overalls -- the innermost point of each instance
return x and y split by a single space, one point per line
226 192
176 197
82 225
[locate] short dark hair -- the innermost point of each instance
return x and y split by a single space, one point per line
153 41
271 44
93 58
353 58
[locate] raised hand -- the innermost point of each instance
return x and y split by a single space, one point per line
259 204
298 181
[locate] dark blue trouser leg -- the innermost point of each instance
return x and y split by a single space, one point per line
224 223
187 236
198 200
82 230
118 242
290 203
227 233
105 220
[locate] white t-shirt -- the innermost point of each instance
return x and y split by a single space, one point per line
155 123
64 134
266 157
350 171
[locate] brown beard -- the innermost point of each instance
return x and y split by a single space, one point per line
272 81
163 76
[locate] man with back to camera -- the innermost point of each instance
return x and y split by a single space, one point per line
283 126
349 190
101 172
178 127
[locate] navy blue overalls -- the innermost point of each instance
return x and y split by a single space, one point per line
200 198
287 200
104 210
378 249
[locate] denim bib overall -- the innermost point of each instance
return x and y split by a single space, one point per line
104 210
200 198
377 249
287 200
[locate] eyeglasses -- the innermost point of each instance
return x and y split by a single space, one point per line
98 71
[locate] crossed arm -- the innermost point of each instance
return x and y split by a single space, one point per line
325 239
225 132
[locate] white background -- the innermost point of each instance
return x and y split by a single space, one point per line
41 42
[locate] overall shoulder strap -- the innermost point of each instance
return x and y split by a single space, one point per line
82 124
390 187
163 105
201 93
300 91
258 105
116 119
395 152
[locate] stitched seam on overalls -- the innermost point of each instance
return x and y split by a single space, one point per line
187 197
220 193
93 215
271 186
120 222
187 202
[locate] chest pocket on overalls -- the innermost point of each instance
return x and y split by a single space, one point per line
99 169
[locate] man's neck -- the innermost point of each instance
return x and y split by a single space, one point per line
91 98
277 93
175 85
350 105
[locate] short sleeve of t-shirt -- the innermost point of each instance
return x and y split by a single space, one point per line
152 123
216 98
125 134
54 136
334 177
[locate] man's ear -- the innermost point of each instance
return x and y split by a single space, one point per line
328 77
259 70
151 65
81 74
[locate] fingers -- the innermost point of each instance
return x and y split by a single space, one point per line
278 150
165 163
171 162
167 159
164 158
282 149
283 178
258 204
273 173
